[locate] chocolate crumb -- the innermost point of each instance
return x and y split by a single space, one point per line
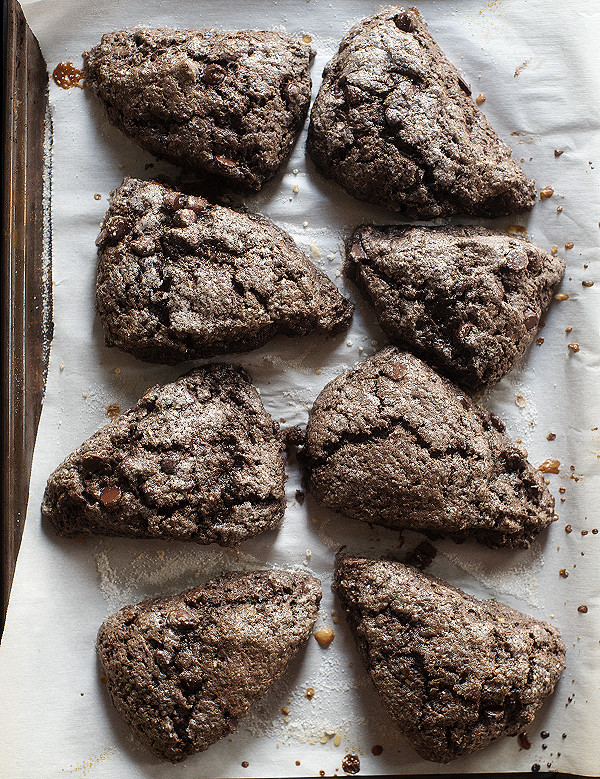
544 734
564 573
113 410
300 497
558 152
351 764
583 609
568 529
535 768
587 283
551 437
422 555
293 436
524 741
245 764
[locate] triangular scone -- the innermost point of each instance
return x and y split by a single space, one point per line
225 104
393 443
467 299
183 670
180 279
196 460
395 124
453 672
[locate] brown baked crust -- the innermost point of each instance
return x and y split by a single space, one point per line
181 279
467 299
394 123
390 442
453 672
183 670
195 460
226 104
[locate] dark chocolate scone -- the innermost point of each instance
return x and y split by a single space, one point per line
183 670
467 299
196 460
226 104
395 124
453 672
179 278
391 442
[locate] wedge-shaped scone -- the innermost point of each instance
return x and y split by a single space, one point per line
226 104
183 670
180 279
395 124
392 443
196 460
453 672
467 299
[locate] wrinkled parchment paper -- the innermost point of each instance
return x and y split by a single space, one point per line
536 63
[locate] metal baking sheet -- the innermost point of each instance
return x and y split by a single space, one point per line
536 64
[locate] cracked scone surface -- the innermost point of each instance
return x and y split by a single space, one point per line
183 670
453 672
196 460
395 124
226 104
467 299
391 442
180 279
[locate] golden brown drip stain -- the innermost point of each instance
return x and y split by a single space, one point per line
549 466
516 230
66 75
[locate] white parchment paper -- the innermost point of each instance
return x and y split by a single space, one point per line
536 62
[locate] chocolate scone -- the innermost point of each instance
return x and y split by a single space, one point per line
226 104
180 279
453 672
395 124
391 442
467 299
196 460
183 670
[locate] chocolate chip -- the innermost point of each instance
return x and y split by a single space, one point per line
144 246
225 161
116 228
393 117
357 251
92 462
168 465
516 260
185 217
405 22
353 95
181 617
464 86
530 319
214 74
197 204
173 200
110 495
